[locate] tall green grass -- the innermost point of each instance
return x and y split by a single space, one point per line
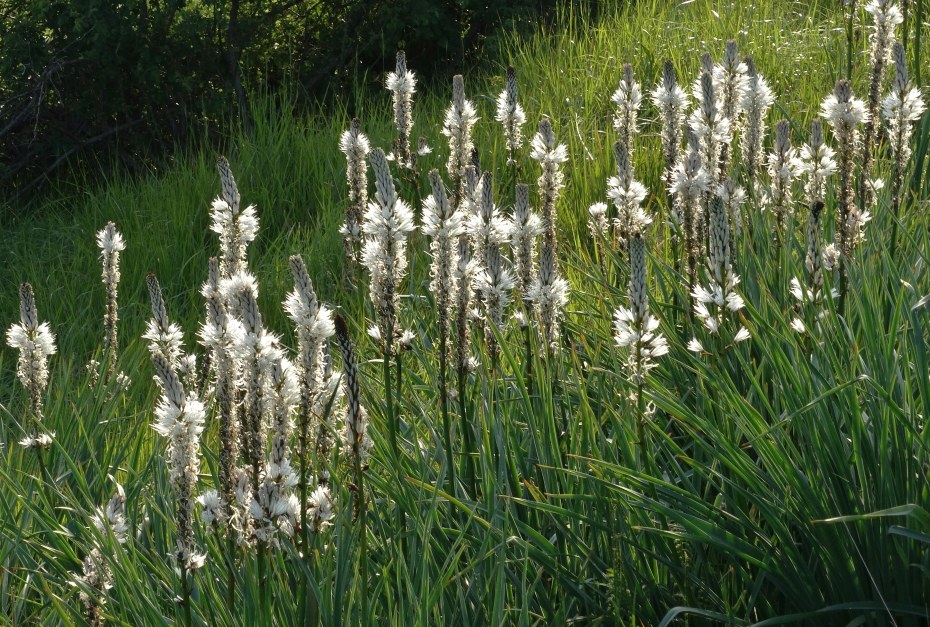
791 474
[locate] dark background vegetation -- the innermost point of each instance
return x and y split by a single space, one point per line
98 81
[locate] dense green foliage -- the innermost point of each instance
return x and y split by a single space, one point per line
754 453
133 80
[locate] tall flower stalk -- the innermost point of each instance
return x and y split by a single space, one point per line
510 114
111 244
488 228
782 165
672 102
222 334
464 276
354 145
627 99
314 324
756 102
180 419
711 126
443 225
690 182
275 506
258 352
402 83
845 113
465 270
730 85
637 331
494 281
98 577
357 442
627 194
464 363
236 228
458 125
717 303
526 228
901 108
885 17
733 197
388 224
815 164
812 293
35 342
549 291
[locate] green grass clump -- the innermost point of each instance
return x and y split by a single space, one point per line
787 478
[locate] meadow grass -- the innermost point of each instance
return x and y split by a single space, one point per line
788 479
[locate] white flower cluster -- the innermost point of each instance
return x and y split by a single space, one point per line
111 244
627 194
627 99
276 507
354 145
459 122
783 170
35 343
635 329
180 420
526 228
494 280
402 83
845 113
314 324
236 229
816 162
97 576
388 223
731 82
717 303
690 181
756 101
511 115
901 108
549 291
672 102
487 226
709 124
443 225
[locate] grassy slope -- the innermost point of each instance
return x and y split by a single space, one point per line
751 450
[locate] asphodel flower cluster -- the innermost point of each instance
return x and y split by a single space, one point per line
510 114
354 145
402 83
35 342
